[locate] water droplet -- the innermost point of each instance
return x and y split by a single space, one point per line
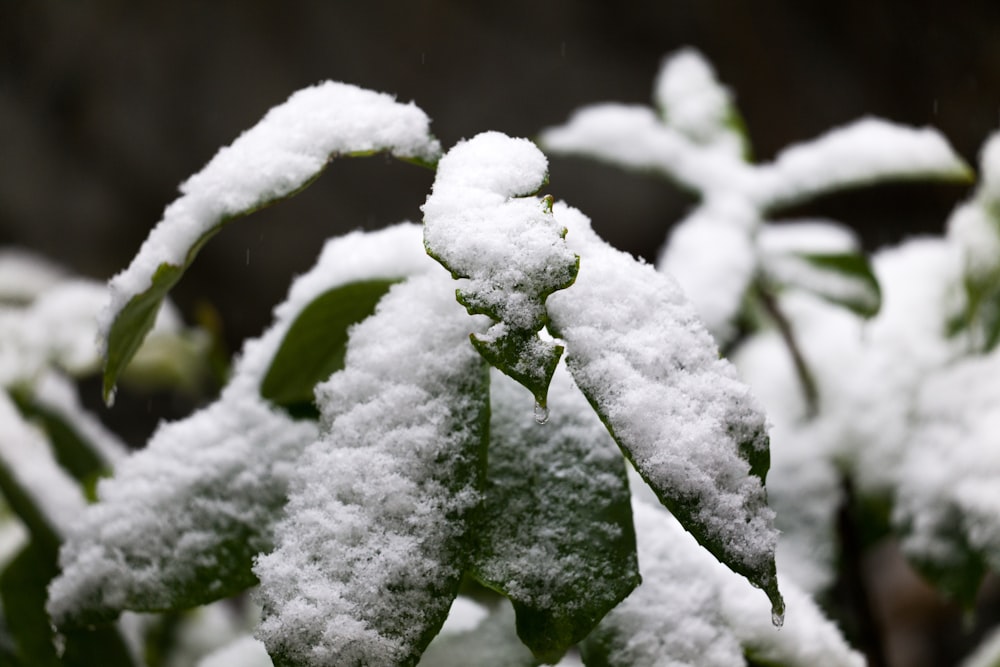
541 413
778 617
110 398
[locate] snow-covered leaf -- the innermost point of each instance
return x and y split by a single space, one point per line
374 541
557 518
692 101
691 428
483 224
23 585
493 642
79 442
182 519
285 152
845 279
689 610
975 228
313 348
36 488
864 152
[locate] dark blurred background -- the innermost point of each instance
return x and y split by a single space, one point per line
105 107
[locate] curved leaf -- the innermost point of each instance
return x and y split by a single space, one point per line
374 542
481 224
276 159
845 279
182 520
314 346
653 374
557 518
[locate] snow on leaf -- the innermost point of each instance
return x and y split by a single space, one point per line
39 491
373 544
692 101
24 276
483 224
712 257
54 400
180 522
864 152
557 518
313 348
946 503
274 160
678 411
690 610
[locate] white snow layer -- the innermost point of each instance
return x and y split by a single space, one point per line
368 555
637 349
204 493
25 275
693 102
290 145
736 195
690 611
481 222
27 458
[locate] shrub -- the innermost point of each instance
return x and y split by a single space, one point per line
468 441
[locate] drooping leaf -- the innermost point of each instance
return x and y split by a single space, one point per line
313 348
374 541
276 159
79 443
653 374
862 153
690 610
557 518
23 589
493 642
35 487
482 223
845 279
182 520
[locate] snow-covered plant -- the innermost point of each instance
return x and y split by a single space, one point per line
409 431
878 376
53 450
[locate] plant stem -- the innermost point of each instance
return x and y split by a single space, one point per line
809 388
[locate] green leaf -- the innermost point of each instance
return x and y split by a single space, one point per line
692 429
313 348
953 566
276 159
376 534
78 456
484 225
23 590
557 518
845 279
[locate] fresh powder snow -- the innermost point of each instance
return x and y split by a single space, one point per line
370 552
636 348
691 611
712 253
483 225
199 501
280 155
